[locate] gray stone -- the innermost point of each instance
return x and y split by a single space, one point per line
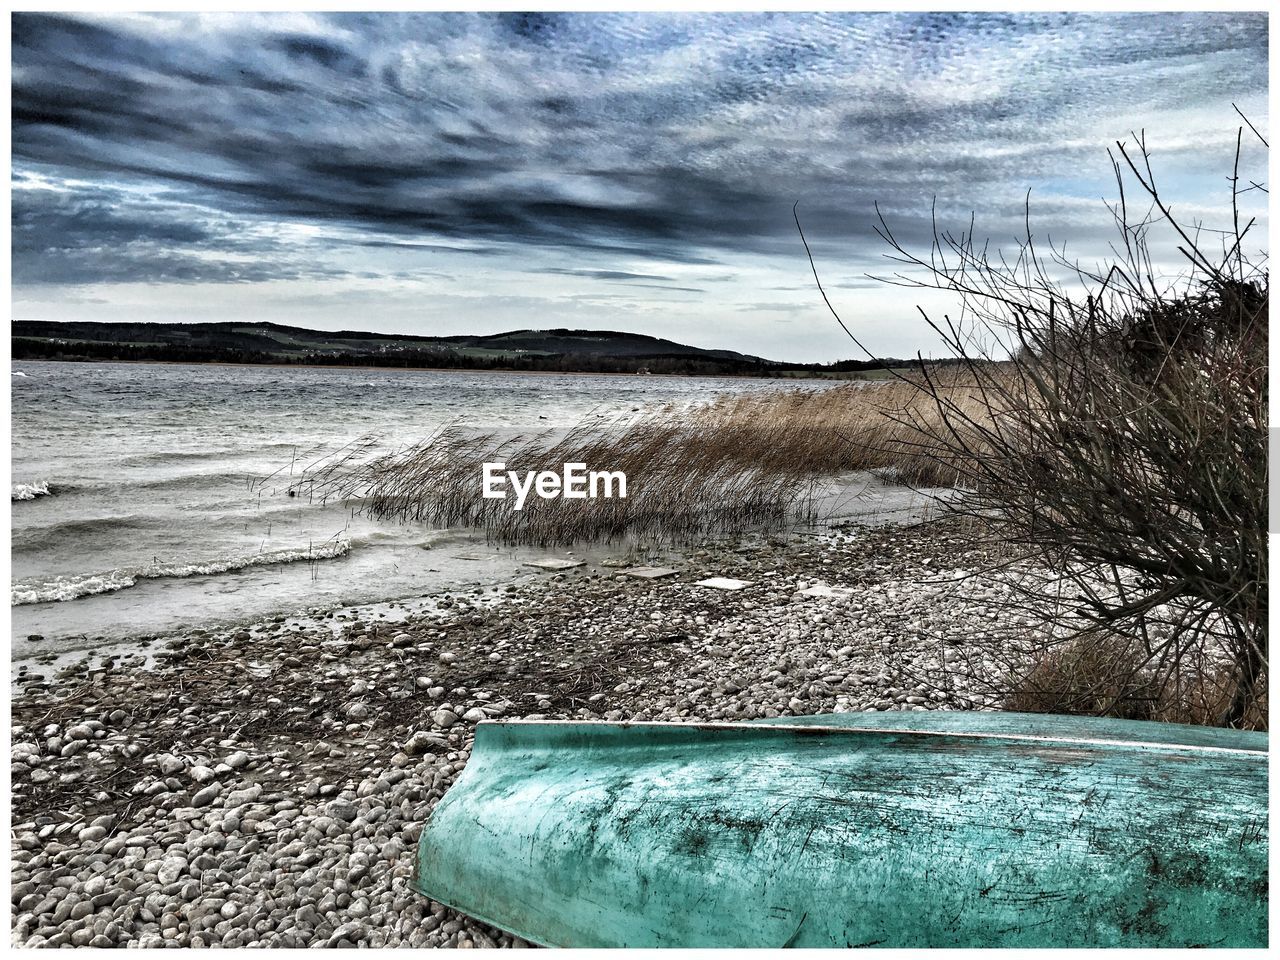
554 563
821 590
340 809
651 573
423 741
237 798
724 583
353 932
206 796
170 869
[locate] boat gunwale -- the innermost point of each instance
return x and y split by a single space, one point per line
813 730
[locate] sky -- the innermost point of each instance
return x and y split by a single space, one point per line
474 173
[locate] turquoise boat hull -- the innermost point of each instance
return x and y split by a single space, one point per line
893 830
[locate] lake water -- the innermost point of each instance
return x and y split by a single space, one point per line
134 510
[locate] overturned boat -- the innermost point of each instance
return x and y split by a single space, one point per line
894 830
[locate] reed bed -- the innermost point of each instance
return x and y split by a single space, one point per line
895 426
736 463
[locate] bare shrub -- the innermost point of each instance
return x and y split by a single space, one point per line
1092 676
1119 437
1103 676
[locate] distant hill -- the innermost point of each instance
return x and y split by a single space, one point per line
587 351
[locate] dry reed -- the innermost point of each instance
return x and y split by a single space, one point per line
733 464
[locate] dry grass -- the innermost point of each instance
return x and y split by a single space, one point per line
894 426
737 463
1112 677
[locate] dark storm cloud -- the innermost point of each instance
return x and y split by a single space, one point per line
76 235
601 274
624 277
683 139
666 286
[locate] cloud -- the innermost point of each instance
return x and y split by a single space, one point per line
181 147
636 131
775 307
601 274
665 286
69 232
624 277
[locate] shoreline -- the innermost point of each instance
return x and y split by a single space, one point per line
450 562
485 370
220 795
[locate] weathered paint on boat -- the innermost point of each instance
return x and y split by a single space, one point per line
897 830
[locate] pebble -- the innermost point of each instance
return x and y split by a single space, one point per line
238 798
444 718
202 798
302 826
343 810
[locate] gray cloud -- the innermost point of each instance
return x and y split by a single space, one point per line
198 148
104 235
601 274
775 307
665 286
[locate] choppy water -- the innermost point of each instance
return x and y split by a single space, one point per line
132 505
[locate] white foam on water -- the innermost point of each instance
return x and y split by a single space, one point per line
29 491
69 588
72 588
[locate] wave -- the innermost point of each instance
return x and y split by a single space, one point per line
19 373
126 488
72 588
81 531
29 491
176 456
440 538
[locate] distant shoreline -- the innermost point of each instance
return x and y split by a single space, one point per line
797 375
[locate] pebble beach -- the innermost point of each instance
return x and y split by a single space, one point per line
265 786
